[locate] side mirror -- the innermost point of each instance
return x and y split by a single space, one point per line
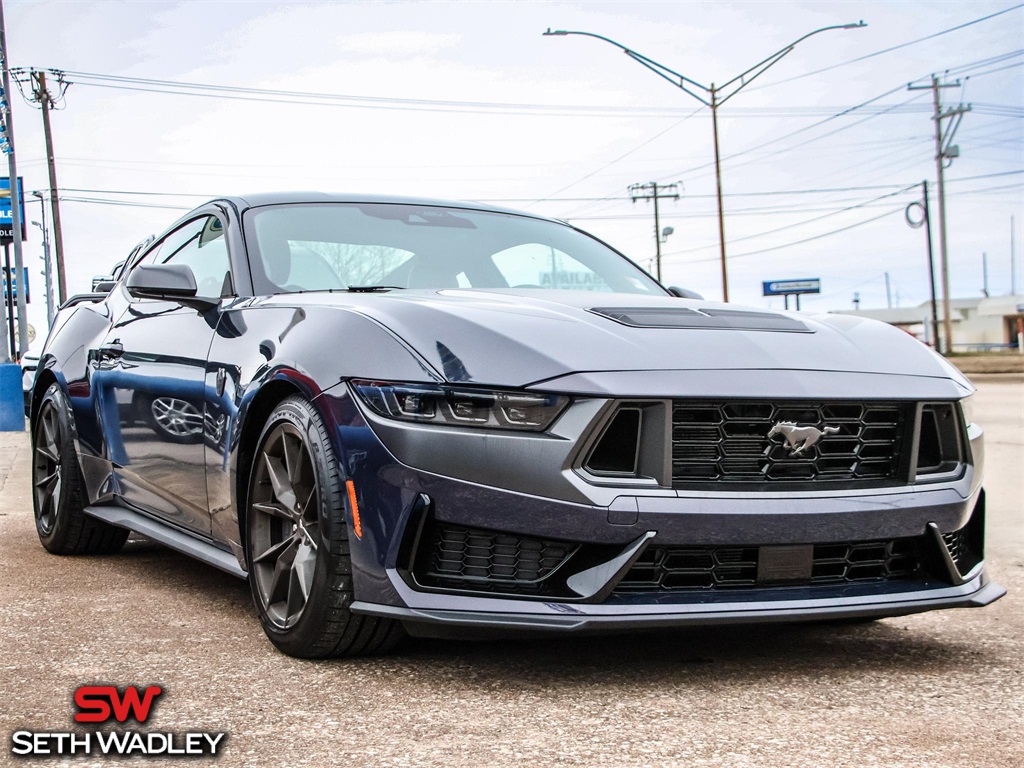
684 293
99 280
169 282
161 281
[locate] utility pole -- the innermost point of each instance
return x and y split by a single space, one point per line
18 277
888 292
926 222
984 273
944 150
650 191
42 96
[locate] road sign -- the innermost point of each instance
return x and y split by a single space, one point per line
789 287
6 214
14 286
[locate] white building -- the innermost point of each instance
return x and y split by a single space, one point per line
978 324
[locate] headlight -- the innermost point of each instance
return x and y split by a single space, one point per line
967 406
456 406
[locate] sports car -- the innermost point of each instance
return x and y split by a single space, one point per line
400 416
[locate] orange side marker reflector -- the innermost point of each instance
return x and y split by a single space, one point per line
353 505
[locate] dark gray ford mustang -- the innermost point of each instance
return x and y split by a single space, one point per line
393 414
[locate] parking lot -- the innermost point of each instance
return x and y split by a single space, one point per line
940 689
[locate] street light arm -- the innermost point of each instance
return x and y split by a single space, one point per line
745 78
678 80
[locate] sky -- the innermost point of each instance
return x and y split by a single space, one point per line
470 101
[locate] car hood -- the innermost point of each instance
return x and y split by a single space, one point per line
523 337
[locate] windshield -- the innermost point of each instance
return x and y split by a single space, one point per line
321 246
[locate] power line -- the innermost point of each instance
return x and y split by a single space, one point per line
804 240
623 156
883 51
264 95
798 223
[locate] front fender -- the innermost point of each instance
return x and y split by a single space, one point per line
261 354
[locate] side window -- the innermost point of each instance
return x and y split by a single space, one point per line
200 245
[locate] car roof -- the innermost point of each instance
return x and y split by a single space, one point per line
260 199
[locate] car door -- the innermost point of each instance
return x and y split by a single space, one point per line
149 380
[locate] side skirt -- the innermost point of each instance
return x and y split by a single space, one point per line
169 537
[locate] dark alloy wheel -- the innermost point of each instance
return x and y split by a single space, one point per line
284 525
296 542
46 469
58 492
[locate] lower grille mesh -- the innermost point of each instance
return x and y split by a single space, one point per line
468 558
671 569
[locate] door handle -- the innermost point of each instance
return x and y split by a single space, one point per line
112 349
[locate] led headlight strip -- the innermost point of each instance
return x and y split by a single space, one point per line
462 407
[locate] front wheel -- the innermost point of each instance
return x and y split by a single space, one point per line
296 543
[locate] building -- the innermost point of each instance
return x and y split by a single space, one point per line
978 324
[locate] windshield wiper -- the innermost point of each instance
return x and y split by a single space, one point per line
373 288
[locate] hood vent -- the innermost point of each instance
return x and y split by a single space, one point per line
712 319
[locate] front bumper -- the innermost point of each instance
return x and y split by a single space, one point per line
610 539
402 504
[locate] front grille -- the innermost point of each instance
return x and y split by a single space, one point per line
456 557
672 569
729 441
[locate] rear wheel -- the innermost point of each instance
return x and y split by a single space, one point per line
297 545
58 491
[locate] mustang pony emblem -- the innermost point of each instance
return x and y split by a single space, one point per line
799 439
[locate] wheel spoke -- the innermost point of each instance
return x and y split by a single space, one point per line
295 600
47 451
273 509
313 533
292 458
281 580
279 481
49 429
46 481
305 564
274 552
308 510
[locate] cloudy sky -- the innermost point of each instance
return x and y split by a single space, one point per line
467 100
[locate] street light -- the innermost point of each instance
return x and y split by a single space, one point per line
47 273
715 97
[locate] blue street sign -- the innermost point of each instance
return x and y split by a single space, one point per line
14 287
6 214
789 287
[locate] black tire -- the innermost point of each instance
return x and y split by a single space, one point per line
58 490
292 546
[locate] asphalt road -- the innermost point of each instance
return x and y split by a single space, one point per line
940 689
